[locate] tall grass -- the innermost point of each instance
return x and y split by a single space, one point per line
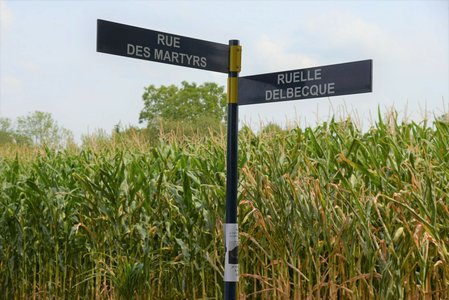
326 212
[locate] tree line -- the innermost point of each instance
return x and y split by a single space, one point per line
188 108
36 128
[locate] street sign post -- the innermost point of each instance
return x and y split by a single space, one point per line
146 44
231 231
325 81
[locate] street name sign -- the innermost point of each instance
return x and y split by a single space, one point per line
325 81
140 43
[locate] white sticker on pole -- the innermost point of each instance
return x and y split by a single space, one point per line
231 233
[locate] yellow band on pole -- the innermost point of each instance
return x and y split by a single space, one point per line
235 58
232 89
235 64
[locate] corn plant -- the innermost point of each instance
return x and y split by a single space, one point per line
328 212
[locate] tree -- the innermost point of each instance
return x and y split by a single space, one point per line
8 135
42 129
5 131
190 104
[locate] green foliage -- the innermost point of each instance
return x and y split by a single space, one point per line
9 136
192 104
324 213
37 128
42 129
5 124
6 135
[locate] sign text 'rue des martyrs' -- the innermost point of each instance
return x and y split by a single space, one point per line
146 44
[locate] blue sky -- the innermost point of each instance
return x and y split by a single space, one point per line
48 58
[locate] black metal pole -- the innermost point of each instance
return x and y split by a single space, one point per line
231 226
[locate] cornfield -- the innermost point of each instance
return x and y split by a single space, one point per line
328 212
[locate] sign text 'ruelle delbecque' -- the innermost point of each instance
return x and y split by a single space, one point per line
325 81
146 44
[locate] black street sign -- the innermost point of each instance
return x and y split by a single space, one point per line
325 81
135 42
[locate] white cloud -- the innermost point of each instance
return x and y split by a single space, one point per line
345 30
6 16
274 55
417 55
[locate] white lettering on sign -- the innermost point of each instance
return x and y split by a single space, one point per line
297 92
188 57
168 40
159 54
138 50
299 76
331 87
316 90
167 55
180 58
